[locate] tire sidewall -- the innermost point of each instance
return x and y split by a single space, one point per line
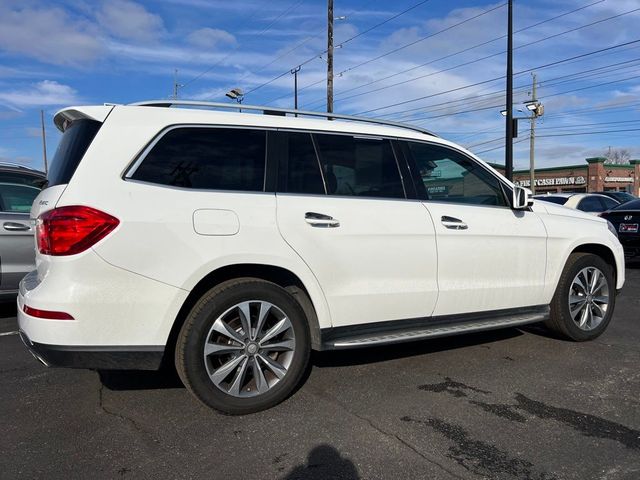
562 295
199 324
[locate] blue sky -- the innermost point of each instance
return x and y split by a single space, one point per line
440 62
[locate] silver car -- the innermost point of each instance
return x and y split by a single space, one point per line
19 186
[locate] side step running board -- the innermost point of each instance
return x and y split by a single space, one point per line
393 334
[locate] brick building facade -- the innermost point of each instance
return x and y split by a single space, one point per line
594 176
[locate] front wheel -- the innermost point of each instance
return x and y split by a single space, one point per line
244 346
585 297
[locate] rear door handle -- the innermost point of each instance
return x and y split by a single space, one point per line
453 223
320 220
16 227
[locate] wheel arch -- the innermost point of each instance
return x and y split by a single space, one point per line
279 275
601 251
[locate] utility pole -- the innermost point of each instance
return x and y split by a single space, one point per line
294 72
176 85
508 161
44 143
532 137
329 56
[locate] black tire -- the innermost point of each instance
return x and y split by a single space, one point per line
189 355
560 320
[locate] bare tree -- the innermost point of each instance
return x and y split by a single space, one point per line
620 156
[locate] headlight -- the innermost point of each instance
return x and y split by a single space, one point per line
612 229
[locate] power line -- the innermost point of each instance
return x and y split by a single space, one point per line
444 57
310 59
539 67
291 7
589 133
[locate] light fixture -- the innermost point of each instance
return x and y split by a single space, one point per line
235 94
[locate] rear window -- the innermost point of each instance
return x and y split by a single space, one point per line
551 199
633 205
17 198
74 143
207 158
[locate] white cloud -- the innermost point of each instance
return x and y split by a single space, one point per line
130 21
210 38
50 35
45 93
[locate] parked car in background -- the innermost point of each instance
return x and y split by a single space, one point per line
19 186
592 203
621 197
626 219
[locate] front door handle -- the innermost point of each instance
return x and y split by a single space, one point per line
453 223
16 227
320 220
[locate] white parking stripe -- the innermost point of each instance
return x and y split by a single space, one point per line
3 334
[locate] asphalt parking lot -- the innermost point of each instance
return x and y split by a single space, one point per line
515 403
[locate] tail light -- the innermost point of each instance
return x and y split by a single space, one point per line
46 314
70 230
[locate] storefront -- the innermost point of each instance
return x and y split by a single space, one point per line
594 176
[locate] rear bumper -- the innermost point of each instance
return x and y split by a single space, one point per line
99 358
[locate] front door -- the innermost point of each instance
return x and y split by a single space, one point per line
490 257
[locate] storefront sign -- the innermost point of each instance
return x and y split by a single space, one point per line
543 182
619 179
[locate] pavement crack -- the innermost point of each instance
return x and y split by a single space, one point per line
383 432
115 414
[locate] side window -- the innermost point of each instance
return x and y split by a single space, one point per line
449 176
362 167
207 158
590 204
17 198
299 170
609 203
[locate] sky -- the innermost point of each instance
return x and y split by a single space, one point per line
435 63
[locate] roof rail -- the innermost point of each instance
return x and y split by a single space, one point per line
265 109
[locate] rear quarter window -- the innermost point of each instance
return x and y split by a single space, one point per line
207 158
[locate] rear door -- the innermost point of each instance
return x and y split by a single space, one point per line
341 206
17 247
490 257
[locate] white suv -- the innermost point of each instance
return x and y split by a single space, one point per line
233 244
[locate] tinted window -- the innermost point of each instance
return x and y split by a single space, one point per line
590 204
207 158
17 198
633 205
74 143
299 167
363 167
609 203
552 199
449 176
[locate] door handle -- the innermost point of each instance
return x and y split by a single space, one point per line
321 220
453 223
16 227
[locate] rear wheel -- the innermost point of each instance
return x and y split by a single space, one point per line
244 346
583 304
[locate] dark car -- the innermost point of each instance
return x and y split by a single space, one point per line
626 219
622 197
19 186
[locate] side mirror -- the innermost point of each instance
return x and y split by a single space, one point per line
522 198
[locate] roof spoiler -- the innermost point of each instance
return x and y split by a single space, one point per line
65 117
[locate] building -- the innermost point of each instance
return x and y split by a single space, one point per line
594 176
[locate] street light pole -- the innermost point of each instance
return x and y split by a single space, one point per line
508 162
330 56
295 87
532 137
